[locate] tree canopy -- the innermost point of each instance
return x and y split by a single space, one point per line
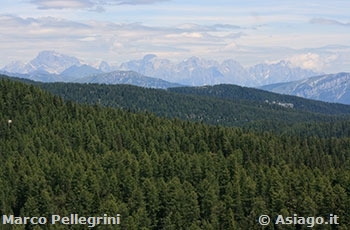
61 157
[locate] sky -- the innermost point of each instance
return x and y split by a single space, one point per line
313 34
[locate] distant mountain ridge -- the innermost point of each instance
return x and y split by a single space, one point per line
76 72
50 66
333 88
197 72
127 77
48 61
154 72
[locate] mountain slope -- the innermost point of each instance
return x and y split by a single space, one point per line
127 77
239 93
38 75
330 88
76 72
276 116
48 61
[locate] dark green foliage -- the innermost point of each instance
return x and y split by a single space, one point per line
234 92
60 158
217 105
226 105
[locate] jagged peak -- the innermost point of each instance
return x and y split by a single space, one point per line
148 57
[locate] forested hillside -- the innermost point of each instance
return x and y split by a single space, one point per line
235 92
226 105
60 158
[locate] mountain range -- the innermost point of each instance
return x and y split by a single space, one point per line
197 72
328 87
154 72
51 66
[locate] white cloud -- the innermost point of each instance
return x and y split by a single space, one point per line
95 5
174 29
313 61
136 2
88 39
62 4
107 40
192 35
325 21
9 20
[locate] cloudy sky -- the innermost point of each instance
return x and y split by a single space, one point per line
312 34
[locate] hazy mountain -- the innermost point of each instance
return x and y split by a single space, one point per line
48 61
105 67
196 71
53 62
16 67
329 87
127 77
278 72
193 71
234 73
75 72
37 75
51 66
151 65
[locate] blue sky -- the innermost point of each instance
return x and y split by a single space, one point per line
312 34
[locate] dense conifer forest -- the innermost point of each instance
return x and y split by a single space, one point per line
61 157
225 105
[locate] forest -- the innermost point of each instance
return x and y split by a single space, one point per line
224 105
59 157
